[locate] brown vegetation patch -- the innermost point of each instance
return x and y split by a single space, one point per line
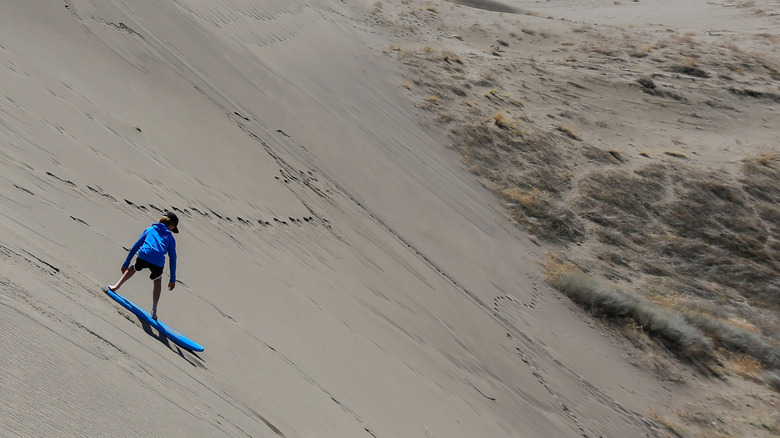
690 250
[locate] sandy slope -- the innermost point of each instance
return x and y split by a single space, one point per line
346 276
572 76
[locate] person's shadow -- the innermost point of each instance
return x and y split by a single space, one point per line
196 361
146 322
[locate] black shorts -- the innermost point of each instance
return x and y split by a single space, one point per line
141 264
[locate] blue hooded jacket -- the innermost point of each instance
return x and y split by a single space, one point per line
154 243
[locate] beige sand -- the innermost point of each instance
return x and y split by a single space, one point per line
347 276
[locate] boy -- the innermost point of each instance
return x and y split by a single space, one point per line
155 242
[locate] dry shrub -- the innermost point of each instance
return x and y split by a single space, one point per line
769 159
666 325
649 86
689 70
746 366
772 379
738 340
669 421
502 121
762 177
528 171
689 224
725 233
675 154
567 131
537 212
620 200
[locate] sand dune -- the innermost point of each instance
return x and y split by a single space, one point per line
346 274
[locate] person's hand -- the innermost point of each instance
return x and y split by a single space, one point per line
171 285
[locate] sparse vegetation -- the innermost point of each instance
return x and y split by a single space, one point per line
667 325
679 255
501 120
693 335
567 131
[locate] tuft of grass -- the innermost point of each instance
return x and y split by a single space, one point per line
762 178
450 57
747 366
689 69
567 131
502 121
536 211
692 334
675 154
666 325
669 421
769 159
739 340
620 200
772 379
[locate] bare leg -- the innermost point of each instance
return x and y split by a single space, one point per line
156 296
125 276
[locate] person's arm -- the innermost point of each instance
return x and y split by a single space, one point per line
172 261
135 249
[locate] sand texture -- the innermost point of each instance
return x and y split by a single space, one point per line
343 258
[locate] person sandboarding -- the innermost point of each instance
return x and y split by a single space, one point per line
153 245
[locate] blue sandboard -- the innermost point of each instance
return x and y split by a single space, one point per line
170 333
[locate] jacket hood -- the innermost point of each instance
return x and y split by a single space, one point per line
161 228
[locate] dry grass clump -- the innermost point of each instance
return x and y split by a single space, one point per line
689 224
737 340
528 171
568 132
772 379
650 87
761 177
502 121
540 214
692 335
620 200
746 366
728 233
689 70
666 325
